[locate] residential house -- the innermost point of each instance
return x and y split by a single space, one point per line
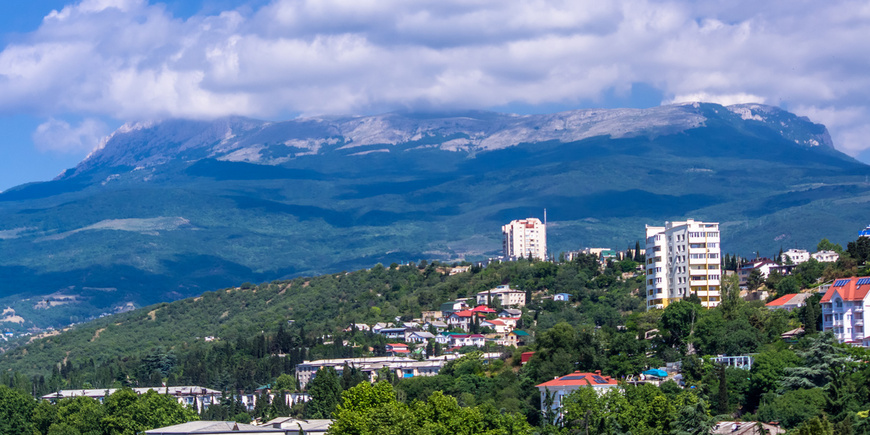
565 385
843 310
510 312
763 265
795 256
358 327
438 325
420 337
397 349
400 333
737 361
459 269
826 256
369 366
517 338
483 309
453 306
462 340
788 302
463 319
496 325
429 316
504 295
562 297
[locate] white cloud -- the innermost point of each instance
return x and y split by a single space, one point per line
131 60
60 136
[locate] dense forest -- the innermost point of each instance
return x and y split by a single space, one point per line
262 331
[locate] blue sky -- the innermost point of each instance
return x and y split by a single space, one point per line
71 72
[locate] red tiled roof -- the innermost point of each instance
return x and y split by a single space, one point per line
494 322
580 379
849 292
526 356
483 309
778 302
397 345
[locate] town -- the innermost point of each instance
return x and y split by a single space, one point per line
680 265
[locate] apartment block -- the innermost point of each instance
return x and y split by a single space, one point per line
683 258
525 237
843 310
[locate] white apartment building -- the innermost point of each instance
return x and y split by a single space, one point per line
506 297
843 310
682 258
524 237
796 256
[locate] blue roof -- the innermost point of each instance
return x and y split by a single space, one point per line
656 372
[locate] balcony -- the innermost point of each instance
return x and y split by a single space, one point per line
858 322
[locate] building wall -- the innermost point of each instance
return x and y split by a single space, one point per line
846 319
524 237
683 258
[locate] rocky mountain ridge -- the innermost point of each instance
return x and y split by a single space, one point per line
273 143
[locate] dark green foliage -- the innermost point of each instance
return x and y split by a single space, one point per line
859 250
325 390
16 409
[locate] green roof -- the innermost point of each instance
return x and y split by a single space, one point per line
519 332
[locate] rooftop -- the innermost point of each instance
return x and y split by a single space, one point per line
849 289
581 379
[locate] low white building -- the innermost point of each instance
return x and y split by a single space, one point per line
401 366
795 256
198 398
826 256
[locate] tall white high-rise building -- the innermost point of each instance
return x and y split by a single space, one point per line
683 258
523 237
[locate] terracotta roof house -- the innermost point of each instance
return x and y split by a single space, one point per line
561 387
843 310
788 302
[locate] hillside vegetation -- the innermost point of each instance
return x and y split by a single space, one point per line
179 222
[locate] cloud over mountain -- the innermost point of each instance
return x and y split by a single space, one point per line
132 60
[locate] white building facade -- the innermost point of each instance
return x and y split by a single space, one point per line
683 258
506 297
796 256
525 237
844 310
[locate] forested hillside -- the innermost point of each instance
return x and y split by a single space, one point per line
218 203
263 330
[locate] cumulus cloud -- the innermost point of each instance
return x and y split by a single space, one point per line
132 60
60 136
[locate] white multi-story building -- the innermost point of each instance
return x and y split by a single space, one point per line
796 256
525 237
506 297
826 256
843 310
682 258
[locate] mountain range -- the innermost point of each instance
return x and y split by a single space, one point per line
170 209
